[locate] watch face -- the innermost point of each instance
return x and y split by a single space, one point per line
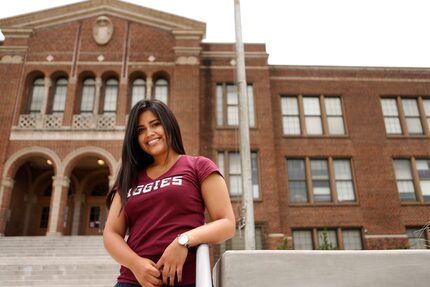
183 240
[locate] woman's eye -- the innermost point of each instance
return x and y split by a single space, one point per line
140 130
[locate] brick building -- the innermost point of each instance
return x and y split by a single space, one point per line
341 151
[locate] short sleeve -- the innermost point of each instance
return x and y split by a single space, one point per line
204 168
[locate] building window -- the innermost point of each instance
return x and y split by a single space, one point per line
60 96
329 180
161 91
312 115
230 167
88 96
406 116
227 105
337 238
413 179
417 238
303 240
138 91
37 95
111 96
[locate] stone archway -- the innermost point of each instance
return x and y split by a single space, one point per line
25 191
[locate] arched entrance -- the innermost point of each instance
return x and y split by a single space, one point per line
92 183
30 198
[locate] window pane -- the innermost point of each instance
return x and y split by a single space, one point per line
233 115
254 176
320 180
291 125
88 95
331 238
352 240
414 126
219 106
335 125
426 103
161 91
302 240
235 185
138 91
111 95
296 169
392 126
343 178
417 238
389 107
232 98
235 174
290 106
333 107
297 191
405 184
37 95
311 106
60 96
423 168
345 191
251 111
313 125
410 107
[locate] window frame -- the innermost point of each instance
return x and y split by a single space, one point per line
324 117
226 172
38 86
332 182
423 117
415 179
55 95
339 236
223 123
107 89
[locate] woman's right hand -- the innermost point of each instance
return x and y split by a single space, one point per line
146 273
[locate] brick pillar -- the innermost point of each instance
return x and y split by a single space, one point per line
122 108
60 187
70 102
5 196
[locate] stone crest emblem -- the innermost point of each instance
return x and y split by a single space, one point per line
102 30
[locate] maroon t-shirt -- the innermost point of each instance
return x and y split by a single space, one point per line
159 209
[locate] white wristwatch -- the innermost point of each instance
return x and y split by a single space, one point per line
183 240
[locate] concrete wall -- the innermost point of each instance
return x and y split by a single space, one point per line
389 268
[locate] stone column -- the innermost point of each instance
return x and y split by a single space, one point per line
98 93
77 210
60 187
30 200
148 92
5 196
48 84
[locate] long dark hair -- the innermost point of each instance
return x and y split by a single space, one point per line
133 157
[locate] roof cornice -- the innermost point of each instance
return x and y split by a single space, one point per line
86 9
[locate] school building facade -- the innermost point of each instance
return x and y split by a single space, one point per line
336 151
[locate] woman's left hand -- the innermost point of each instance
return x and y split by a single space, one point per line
172 261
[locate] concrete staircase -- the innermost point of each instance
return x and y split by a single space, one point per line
66 261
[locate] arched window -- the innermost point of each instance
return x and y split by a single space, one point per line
60 96
111 95
161 91
138 91
37 93
88 95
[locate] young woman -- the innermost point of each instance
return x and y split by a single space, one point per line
159 197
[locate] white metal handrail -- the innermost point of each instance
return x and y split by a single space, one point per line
203 267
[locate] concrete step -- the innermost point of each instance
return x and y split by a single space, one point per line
64 261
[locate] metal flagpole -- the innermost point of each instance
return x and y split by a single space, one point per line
245 149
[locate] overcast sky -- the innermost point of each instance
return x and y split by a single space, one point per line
387 33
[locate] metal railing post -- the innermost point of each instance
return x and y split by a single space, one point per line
203 267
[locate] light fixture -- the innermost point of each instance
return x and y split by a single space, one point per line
49 162
100 162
